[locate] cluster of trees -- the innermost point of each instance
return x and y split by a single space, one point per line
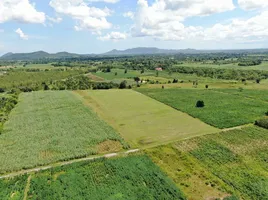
80 83
7 103
228 74
249 62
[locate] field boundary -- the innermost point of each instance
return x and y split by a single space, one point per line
109 155
59 164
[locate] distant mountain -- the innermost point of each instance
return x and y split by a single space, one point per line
148 51
25 56
38 55
128 52
6 55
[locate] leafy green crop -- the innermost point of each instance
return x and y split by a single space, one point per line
133 177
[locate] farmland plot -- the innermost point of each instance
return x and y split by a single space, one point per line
233 162
50 126
132 177
141 120
222 110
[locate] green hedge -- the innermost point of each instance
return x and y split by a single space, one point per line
262 123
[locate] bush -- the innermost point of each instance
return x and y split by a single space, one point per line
123 85
2 90
262 123
266 113
206 86
200 104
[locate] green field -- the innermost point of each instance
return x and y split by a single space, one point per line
121 74
133 177
263 66
16 79
51 126
37 66
141 120
233 162
252 94
222 110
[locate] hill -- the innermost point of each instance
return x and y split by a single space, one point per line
38 55
148 51
128 52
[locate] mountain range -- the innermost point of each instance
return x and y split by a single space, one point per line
128 52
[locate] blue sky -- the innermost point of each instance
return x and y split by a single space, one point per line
96 26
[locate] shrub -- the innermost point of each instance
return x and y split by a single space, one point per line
2 90
206 86
266 113
262 123
200 104
123 85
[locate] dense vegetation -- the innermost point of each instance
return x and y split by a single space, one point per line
262 122
233 162
13 188
229 74
7 103
55 126
221 110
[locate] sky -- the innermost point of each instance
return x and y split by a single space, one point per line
98 26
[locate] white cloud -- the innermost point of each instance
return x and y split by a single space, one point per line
21 34
164 18
129 14
90 18
20 11
255 28
114 36
252 4
106 1
54 20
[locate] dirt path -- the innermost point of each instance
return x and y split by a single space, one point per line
27 188
37 169
110 155
236 128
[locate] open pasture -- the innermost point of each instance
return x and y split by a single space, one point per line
143 121
222 110
133 177
262 66
51 126
218 165
121 74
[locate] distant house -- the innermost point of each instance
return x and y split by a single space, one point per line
158 69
